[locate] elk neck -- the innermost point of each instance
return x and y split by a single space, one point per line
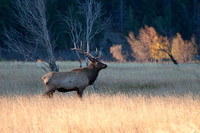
92 73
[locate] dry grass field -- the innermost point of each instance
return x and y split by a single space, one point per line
135 98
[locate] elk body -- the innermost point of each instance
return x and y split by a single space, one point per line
74 80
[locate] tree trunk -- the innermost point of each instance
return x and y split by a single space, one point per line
172 59
53 66
79 58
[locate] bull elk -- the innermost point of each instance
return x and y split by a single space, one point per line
75 80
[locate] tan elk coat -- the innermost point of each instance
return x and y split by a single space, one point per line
75 80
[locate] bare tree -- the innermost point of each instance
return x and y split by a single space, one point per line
92 11
75 31
32 36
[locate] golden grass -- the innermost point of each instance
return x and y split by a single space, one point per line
100 113
132 98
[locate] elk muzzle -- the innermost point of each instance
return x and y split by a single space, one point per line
104 66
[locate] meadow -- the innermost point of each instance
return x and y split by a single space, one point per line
131 97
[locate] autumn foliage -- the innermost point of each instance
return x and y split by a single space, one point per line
160 48
150 46
184 51
140 45
116 51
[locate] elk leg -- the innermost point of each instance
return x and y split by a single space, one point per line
49 92
79 93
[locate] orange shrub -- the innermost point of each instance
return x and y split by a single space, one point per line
116 51
184 51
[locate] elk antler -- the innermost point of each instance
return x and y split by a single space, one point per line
80 50
87 54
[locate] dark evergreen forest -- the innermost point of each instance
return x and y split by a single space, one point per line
168 17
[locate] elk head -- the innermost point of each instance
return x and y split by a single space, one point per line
95 61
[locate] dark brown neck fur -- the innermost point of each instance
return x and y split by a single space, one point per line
91 72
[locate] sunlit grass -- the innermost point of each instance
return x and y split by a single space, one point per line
131 98
100 113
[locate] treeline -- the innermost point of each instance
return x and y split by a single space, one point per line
149 46
168 17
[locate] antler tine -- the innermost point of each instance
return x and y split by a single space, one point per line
91 55
75 48
87 54
81 45
80 50
88 49
96 52
100 54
